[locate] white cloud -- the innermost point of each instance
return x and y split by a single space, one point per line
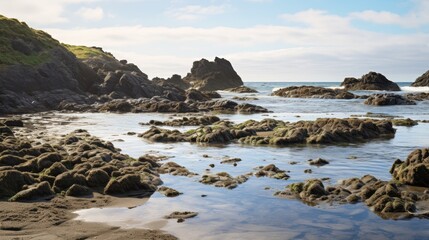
38 12
193 12
94 14
415 18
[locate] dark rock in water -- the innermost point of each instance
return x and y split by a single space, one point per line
271 171
242 89
318 162
182 215
383 197
422 81
223 179
210 76
384 99
185 121
417 96
415 170
230 160
77 190
313 92
404 122
12 181
370 81
38 191
168 192
128 183
175 170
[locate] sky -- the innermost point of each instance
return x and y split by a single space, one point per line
265 40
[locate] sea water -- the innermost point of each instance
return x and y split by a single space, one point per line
251 211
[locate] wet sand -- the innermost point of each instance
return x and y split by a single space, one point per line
54 220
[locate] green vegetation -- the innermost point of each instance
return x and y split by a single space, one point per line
20 44
82 52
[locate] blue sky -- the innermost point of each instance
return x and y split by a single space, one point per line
266 40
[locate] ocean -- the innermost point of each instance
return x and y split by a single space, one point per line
251 211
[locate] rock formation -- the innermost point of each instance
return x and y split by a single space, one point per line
388 99
313 92
422 81
211 76
370 81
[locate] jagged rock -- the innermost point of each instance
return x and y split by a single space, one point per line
209 76
388 99
313 92
38 191
422 81
413 171
370 81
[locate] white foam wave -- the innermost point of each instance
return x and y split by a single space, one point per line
415 89
336 87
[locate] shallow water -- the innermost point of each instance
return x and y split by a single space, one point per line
251 211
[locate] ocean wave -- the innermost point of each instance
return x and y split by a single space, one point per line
336 87
415 89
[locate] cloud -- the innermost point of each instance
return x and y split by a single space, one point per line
417 17
94 14
40 11
193 12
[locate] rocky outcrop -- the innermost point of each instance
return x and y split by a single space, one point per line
271 171
387 199
313 92
370 81
423 96
185 121
422 81
224 180
76 165
384 99
210 76
414 170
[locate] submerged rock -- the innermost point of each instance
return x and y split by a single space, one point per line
318 162
168 192
370 81
271 171
187 121
223 179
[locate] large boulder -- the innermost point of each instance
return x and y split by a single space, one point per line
370 81
38 191
422 81
413 171
216 75
12 181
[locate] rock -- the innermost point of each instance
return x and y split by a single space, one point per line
223 179
230 160
422 81
415 170
195 95
244 98
47 159
67 179
13 122
12 181
185 121
241 89
370 81
271 171
5 131
181 215
175 169
77 190
318 162
404 122
11 160
423 96
388 99
313 92
56 169
38 191
209 76
168 192
127 184
97 178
